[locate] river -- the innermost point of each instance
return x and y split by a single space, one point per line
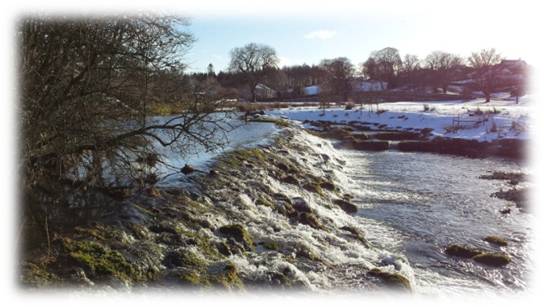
411 205
419 203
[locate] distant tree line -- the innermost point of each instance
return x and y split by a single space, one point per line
256 64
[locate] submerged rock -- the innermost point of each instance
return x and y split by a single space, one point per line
300 205
515 195
461 251
391 280
496 240
310 219
492 259
346 205
314 188
357 234
505 211
290 179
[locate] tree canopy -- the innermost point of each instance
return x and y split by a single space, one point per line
253 60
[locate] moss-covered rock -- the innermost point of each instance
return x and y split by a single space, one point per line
461 251
163 226
327 185
496 240
313 187
392 280
271 245
305 252
99 261
183 258
227 277
492 259
223 248
310 219
37 275
193 278
236 159
283 166
289 179
264 200
238 233
139 231
357 234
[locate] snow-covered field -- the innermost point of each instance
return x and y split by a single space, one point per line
475 119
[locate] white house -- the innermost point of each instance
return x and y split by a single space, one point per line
369 85
263 91
311 90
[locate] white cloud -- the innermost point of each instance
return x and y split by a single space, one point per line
320 34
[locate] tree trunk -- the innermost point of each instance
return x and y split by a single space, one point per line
253 93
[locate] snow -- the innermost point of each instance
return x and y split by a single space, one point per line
495 122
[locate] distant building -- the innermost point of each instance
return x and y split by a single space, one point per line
512 71
311 90
369 85
515 66
263 91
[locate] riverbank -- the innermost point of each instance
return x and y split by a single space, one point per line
472 120
472 129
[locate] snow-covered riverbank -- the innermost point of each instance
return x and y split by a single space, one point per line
475 120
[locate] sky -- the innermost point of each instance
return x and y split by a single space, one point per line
309 38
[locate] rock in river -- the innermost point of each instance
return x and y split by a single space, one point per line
187 169
461 251
492 259
346 205
496 240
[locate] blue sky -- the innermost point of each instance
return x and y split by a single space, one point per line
308 39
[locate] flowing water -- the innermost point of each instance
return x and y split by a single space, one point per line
236 134
423 202
411 206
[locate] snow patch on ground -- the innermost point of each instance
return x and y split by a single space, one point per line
475 119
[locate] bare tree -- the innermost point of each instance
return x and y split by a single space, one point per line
369 69
86 86
410 70
252 61
483 63
338 77
383 65
410 63
442 66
